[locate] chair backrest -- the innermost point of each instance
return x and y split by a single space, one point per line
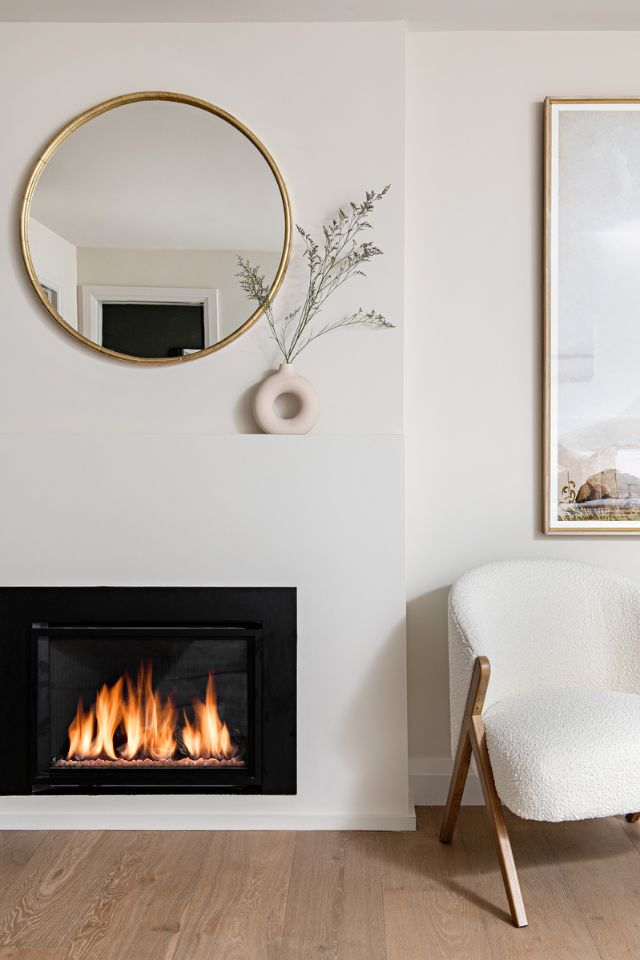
543 624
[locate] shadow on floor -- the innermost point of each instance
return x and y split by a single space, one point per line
418 861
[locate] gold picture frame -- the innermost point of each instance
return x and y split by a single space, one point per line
579 504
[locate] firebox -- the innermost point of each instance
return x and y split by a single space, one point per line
139 690
138 706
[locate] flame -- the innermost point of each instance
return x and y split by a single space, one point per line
208 736
81 731
159 723
108 706
142 724
132 717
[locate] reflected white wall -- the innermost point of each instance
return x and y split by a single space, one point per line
55 260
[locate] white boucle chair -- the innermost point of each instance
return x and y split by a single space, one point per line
556 734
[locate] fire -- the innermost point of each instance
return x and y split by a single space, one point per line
130 721
208 737
149 723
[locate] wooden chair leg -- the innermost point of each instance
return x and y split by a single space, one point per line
496 817
632 817
475 702
473 740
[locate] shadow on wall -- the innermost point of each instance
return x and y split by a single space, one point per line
243 411
428 668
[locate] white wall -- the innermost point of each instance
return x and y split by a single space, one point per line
179 268
474 314
56 263
96 453
332 139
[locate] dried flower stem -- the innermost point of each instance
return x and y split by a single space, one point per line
340 258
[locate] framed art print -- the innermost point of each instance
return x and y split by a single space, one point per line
592 317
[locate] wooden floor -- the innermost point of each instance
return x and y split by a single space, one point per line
344 896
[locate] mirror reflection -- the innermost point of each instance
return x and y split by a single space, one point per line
136 223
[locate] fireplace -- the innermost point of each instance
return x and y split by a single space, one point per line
135 705
139 690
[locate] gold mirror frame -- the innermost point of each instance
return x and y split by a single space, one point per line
96 111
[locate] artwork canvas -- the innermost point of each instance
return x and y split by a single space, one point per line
592 317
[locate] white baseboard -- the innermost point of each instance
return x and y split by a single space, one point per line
429 779
45 816
382 822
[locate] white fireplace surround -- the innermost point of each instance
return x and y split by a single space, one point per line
252 523
115 474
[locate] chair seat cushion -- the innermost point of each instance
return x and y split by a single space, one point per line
566 754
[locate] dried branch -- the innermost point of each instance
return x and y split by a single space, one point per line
338 258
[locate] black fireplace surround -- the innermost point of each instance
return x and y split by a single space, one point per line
179 656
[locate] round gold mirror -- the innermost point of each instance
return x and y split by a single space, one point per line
133 221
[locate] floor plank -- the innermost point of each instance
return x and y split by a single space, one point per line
17 847
58 905
431 906
413 860
112 918
630 830
556 928
330 895
31 896
314 909
601 867
237 909
27 953
362 933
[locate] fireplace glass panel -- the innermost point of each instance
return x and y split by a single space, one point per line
138 702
